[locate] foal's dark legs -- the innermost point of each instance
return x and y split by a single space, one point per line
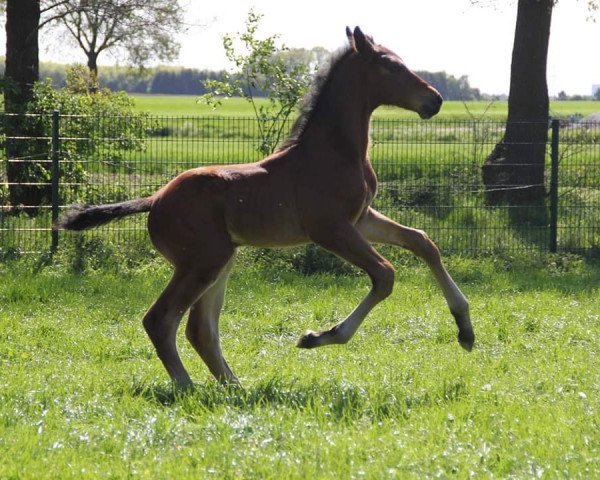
162 320
202 329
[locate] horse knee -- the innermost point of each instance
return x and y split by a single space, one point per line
383 282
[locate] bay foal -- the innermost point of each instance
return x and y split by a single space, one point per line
318 187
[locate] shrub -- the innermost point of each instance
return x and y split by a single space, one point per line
98 122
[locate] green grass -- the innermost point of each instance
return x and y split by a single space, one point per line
82 394
187 105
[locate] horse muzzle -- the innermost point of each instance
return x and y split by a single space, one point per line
432 106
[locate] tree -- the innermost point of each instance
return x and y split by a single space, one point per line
21 73
311 58
22 53
139 30
514 172
262 66
107 120
450 87
141 27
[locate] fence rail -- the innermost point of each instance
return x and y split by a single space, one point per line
430 177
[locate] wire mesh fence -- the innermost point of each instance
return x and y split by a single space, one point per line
430 177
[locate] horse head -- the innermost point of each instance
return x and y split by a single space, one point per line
390 80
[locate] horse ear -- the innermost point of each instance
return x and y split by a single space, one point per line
350 36
363 44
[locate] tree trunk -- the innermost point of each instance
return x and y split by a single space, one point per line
21 72
514 171
92 65
22 62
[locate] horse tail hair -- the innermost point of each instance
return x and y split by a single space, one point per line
82 217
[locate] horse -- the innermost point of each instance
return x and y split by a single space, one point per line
317 187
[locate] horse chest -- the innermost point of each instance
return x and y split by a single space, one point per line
344 189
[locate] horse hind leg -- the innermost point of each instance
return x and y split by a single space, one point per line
202 329
162 320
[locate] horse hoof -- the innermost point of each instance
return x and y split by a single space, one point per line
466 340
184 386
308 340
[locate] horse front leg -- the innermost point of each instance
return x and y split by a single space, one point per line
345 241
377 228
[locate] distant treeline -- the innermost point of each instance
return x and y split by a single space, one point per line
450 87
190 81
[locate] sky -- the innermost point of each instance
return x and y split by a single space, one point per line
450 35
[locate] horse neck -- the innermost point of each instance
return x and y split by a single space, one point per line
342 114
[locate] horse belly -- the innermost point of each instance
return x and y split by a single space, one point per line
260 224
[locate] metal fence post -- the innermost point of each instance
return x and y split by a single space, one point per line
55 175
554 186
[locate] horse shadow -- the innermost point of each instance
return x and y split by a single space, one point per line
340 402
271 392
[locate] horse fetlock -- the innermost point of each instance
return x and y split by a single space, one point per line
460 310
337 335
466 336
340 334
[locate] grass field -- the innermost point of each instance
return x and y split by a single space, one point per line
82 394
183 105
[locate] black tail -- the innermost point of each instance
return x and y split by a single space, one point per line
82 217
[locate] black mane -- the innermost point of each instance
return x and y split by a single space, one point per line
311 99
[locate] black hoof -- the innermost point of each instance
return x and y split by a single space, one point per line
308 340
466 340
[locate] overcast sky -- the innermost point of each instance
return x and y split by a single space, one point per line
450 35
